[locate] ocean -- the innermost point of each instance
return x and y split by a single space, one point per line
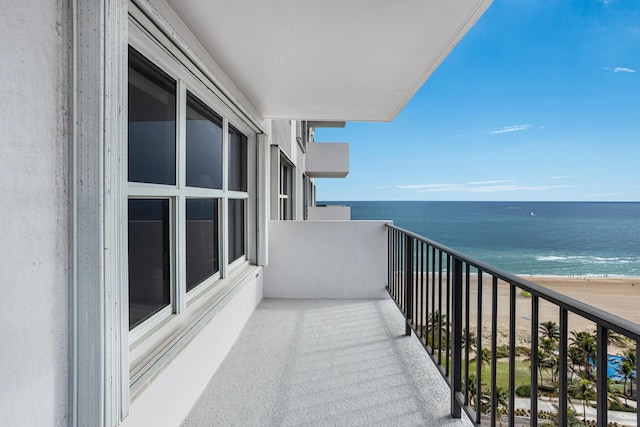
527 238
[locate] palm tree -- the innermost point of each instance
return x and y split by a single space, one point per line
541 362
628 363
584 390
472 388
586 346
502 398
473 341
629 358
437 324
617 339
614 394
485 356
627 371
551 362
549 330
575 357
572 419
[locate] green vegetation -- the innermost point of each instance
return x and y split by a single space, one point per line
581 351
523 390
523 375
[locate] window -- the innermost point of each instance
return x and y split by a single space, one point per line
236 229
202 240
306 183
237 160
176 193
204 145
152 123
149 268
286 189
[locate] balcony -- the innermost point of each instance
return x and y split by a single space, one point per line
329 213
327 160
325 362
328 346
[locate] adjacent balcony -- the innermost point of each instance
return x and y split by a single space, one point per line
327 160
364 323
329 213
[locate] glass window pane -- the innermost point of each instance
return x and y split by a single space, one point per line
149 257
152 123
237 160
202 240
236 229
204 145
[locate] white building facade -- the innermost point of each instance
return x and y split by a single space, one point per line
146 147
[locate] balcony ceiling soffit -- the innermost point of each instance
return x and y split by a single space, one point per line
333 59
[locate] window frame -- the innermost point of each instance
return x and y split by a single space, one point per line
187 83
106 372
286 189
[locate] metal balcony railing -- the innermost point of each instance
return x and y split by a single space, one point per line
442 293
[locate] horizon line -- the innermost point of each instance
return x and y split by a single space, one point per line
491 201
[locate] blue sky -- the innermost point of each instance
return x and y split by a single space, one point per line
540 101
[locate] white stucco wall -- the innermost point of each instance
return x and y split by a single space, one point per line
169 398
327 159
326 259
329 213
281 131
34 212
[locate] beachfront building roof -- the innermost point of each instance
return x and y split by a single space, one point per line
151 151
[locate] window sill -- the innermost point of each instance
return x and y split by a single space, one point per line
151 355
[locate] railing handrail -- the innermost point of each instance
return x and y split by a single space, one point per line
599 316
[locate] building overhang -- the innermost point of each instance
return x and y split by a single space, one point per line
330 60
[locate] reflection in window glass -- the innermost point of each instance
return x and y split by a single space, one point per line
152 123
202 240
204 145
237 160
149 256
236 229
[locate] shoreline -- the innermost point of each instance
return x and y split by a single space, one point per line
579 276
619 296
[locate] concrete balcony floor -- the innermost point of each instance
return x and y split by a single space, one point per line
325 362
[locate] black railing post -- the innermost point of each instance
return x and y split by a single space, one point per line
456 357
535 307
602 377
408 282
512 354
389 258
563 381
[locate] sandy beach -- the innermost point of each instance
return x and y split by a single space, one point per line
620 296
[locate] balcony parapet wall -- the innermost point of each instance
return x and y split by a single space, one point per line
329 213
328 160
326 259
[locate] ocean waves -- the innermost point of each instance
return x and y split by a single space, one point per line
586 259
564 239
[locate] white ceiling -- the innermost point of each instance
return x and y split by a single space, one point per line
329 59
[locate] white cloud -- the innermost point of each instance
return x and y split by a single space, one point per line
513 187
496 186
507 129
620 69
431 187
499 181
